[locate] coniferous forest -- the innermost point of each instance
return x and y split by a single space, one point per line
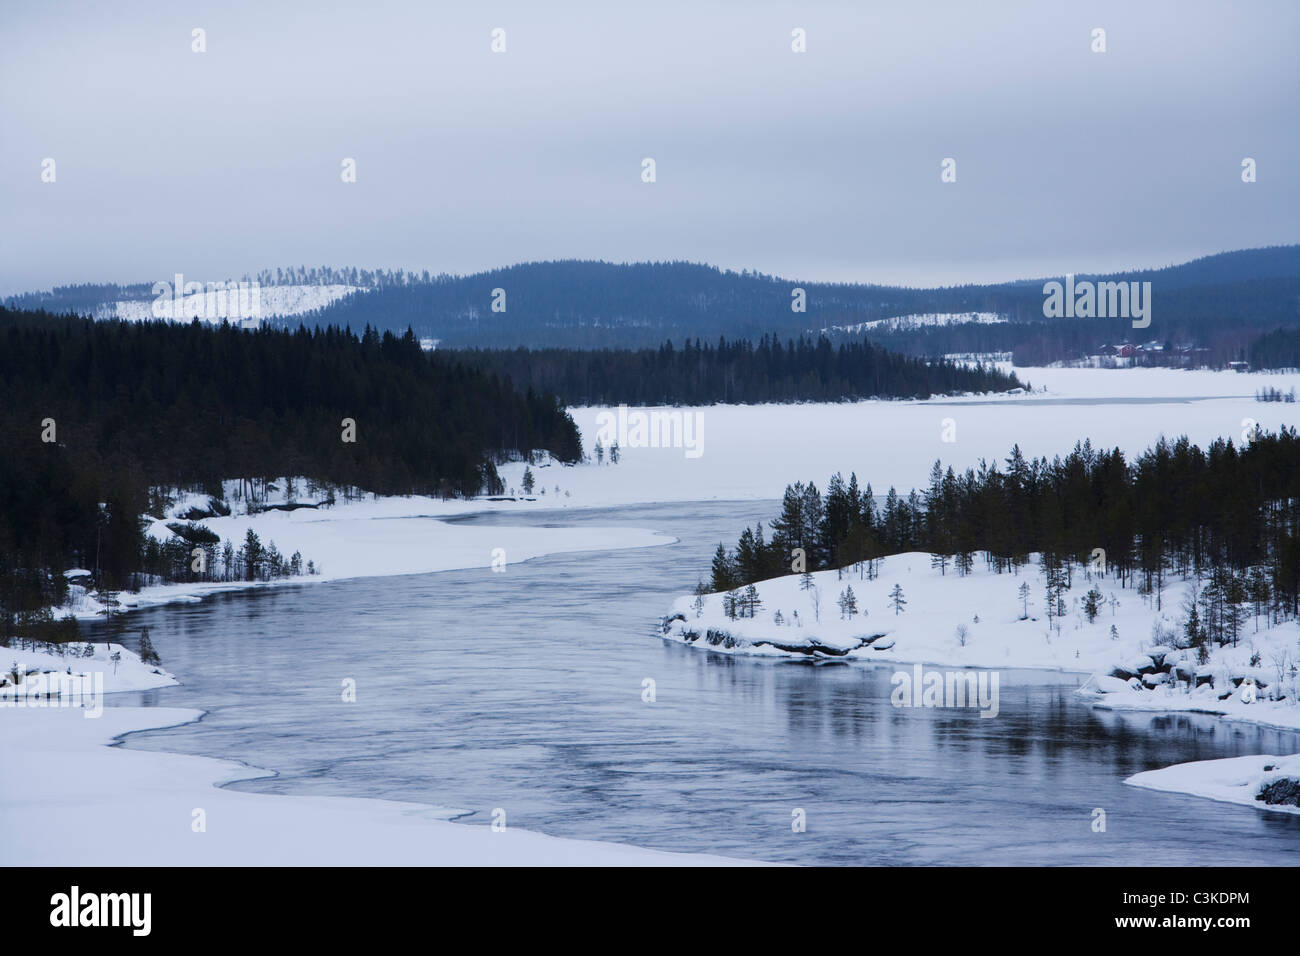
739 372
93 415
1232 513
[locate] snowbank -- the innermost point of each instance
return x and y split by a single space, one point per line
1262 782
34 674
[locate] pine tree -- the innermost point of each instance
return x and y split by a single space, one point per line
724 571
897 600
848 603
529 482
147 653
254 556
1092 604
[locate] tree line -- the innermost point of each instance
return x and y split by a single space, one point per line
95 415
739 371
1277 349
1227 511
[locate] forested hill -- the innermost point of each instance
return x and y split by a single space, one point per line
739 372
98 412
1221 301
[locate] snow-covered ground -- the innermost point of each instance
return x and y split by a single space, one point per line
82 802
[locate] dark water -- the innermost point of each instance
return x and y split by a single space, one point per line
523 691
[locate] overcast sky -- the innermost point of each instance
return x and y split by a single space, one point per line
819 165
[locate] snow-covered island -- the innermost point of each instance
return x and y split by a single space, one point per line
1128 651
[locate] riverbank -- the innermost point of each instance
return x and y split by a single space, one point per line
83 801
376 537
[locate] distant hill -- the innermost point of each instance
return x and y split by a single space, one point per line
1222 302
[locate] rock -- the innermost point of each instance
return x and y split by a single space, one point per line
1281 792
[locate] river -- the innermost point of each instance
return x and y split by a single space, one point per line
522 690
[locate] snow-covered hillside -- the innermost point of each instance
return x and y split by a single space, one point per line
906 323
265 301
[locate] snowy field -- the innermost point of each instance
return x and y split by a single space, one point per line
754 451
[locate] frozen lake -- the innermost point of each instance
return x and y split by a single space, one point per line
535 706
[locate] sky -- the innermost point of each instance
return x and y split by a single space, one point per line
818 165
